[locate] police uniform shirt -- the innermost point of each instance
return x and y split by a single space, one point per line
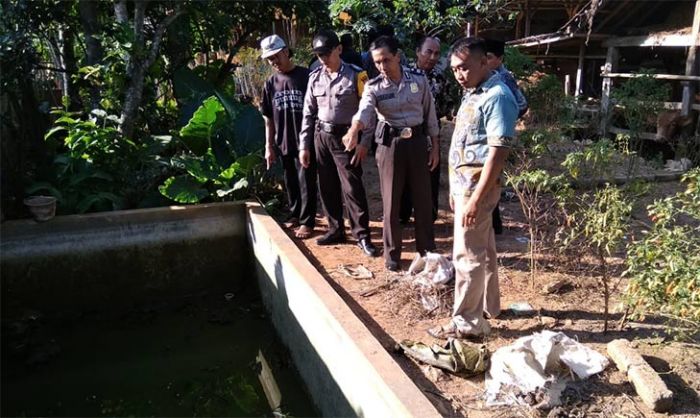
333 99
486 118
406 104
445 91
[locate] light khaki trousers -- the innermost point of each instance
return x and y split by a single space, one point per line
476 267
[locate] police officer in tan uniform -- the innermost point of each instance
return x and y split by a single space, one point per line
332 97
401 100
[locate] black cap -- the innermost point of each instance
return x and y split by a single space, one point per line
324 42
495 47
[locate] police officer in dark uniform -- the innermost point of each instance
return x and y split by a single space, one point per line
332 98
401 100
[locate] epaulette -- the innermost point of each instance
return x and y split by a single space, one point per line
375 80
357 68
316 70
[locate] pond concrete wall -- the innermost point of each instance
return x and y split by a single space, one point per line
118 261
114 262
347 370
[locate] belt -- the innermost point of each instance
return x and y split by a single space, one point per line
406 133
331 128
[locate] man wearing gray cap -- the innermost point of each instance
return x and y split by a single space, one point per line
400 98
332 98
282 103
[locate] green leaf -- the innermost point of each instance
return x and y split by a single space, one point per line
240 184
199 168
44 186
183 189
53 130
249 162
88 202
230 172
248 131
198 132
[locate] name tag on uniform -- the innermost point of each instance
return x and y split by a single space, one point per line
382 97
414 88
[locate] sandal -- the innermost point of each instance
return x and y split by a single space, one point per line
443 332
304 232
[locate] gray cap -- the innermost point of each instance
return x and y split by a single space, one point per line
271 45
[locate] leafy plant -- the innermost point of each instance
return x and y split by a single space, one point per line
593 162
531 185
663 266
221 159
548 105
518 63
96 168
603 220
639 98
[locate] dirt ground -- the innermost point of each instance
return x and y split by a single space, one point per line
393 313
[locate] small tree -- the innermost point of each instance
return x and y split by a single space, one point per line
530 185
604 220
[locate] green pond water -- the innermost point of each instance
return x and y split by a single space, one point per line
194 359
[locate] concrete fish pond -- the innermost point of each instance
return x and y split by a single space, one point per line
208 310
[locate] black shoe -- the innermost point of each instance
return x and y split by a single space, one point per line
331 238
368 247
392 265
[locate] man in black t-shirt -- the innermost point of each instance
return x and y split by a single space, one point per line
282 104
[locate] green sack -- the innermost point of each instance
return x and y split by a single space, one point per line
458 357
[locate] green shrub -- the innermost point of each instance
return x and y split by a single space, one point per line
521 65
548 104
664 266
96 168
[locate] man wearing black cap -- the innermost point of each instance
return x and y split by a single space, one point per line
332 98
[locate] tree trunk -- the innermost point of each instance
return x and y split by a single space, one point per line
71 67
132 101
226 68
90 22
139 63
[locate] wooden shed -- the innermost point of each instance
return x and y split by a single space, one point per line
592 44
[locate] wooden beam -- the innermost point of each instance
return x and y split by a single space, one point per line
610 65
691 67
552 38
566 57
669 106
678 39
656 76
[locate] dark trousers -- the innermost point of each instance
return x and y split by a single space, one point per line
339 181
497 223
300 184
405 161
407 203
